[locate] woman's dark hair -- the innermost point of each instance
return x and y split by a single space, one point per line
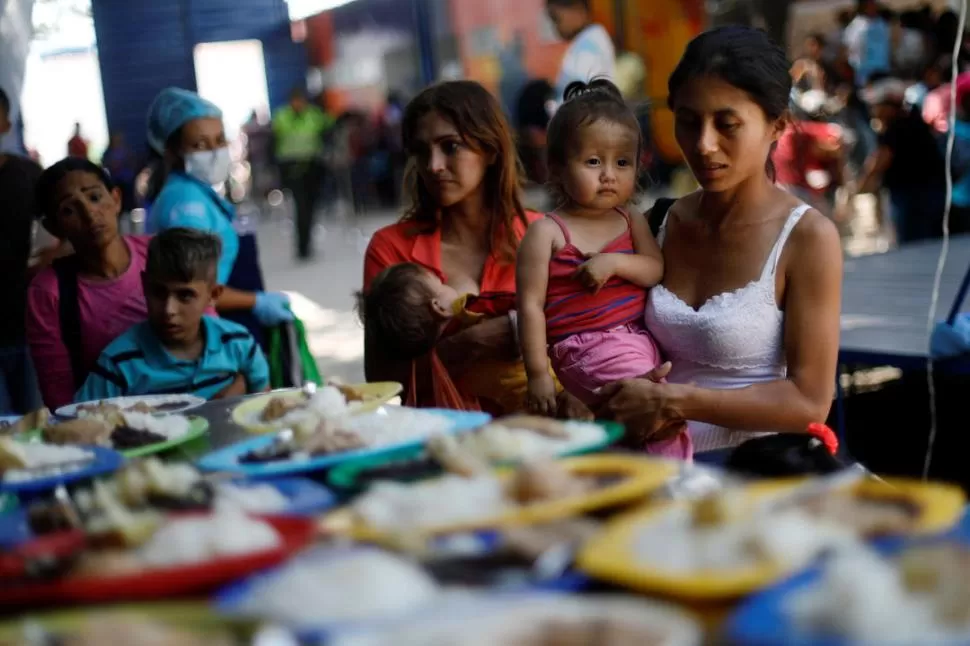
162 166
479 120
45 191
744 57
783 455
586 104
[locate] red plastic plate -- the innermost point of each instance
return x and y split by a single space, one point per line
185 580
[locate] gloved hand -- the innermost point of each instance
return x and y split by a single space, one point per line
272 308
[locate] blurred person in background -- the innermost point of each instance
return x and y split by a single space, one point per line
298 131
909 47
119 161
907 162
259 154
960 163
935 75
532 113
591 53
868 41
77 145
809 157
391 119
188 132
18 176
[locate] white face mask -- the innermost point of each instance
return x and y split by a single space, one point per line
209 166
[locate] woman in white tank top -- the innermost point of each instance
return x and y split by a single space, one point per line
748 311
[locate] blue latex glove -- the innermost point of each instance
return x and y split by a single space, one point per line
272 308
951 340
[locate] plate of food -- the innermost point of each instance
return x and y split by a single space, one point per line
534 619
919 594
474 497
150 556
283 409
336 587
330 441
740 540
504 441
131 433
149 404
144 490
187 623
27 468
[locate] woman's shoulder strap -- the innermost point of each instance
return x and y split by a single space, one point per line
659 213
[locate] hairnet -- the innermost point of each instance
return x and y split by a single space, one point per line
172 109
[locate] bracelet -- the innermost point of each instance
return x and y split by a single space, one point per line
824 434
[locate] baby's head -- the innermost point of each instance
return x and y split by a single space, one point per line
594 147
180 282
405 310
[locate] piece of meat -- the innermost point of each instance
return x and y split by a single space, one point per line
327 441
280 407
88 431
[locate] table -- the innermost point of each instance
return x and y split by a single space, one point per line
885 301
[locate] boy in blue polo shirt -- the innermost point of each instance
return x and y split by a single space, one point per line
179 349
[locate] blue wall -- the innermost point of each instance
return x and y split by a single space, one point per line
144 46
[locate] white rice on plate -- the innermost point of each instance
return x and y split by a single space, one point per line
861 597
197 539
790 538
449 500
498 443
171 427
43 460
489 620
255 499
341 585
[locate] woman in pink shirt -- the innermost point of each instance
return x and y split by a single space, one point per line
83 302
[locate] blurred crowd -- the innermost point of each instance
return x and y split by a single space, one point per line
871 110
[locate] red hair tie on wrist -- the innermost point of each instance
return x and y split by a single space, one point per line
825 435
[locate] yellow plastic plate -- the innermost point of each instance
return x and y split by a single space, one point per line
375 395
191 616
639 476
611 555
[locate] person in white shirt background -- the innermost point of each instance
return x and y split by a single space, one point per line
591 53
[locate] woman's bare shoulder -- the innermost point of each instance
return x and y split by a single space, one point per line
814 249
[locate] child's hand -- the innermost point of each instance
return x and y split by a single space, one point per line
542 396
594 273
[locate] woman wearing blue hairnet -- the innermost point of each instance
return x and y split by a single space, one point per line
188 132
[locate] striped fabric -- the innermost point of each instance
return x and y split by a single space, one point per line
572 309
136 363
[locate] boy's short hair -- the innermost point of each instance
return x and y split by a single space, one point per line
4 102
183 255
396 312
45 192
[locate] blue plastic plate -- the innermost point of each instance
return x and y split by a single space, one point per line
306 498
105 461
227 459
14 529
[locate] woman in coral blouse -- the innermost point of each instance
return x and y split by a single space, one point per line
464 225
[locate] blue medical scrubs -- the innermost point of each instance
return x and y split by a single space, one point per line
187 202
